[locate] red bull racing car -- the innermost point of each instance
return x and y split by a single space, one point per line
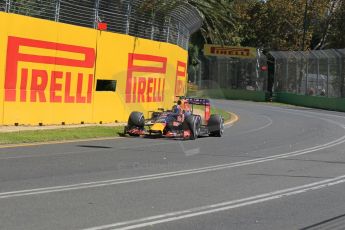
179 124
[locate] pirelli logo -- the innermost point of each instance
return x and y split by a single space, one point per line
42 71
180 83
145 78
230 51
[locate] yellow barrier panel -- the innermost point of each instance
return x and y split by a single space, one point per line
54 72
3 45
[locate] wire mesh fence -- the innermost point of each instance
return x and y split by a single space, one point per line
44 9
234 73
125 16
313 73
3 6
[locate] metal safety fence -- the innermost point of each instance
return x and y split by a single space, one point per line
121 16
234 73
313 73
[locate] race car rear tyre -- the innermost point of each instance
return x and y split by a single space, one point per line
198 125
216 125
193 125
136 119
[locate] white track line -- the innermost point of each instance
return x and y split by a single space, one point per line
173 216
270 122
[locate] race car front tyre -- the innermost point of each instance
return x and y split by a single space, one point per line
216 125
136 119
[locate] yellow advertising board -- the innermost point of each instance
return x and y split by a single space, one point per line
3 45
152 77
229 51
51 73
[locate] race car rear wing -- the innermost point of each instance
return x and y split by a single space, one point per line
200 101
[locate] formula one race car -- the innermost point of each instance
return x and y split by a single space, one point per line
186 125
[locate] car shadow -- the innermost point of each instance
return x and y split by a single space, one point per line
95 146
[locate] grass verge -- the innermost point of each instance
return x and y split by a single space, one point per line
59 134
72 133
223 113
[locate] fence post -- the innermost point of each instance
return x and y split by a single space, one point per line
96 19
57 10
275 74
129 9
227 74
328 73
342 59
178 34
317 76
285 86
8 6
168 30
306 76
152 28
258 56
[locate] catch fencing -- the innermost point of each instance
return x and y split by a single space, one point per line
130 17
234 73
312 73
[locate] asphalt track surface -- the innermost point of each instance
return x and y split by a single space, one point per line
276 168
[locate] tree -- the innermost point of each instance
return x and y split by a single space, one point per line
218 17
336 38
280 24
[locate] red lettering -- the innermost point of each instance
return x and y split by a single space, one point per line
79 97
68 97
89 89
159 98
163 90
38 85
141 89
133 68
55 86
14 57
149 90
134 88
154 90
180 78
23 85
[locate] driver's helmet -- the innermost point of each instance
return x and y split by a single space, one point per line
175 109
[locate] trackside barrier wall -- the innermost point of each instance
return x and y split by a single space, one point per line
321 102
231 94
49 73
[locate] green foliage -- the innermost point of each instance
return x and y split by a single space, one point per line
218 17
280 24
336 38
269 24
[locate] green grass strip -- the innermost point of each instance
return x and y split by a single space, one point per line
59 134
221 112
